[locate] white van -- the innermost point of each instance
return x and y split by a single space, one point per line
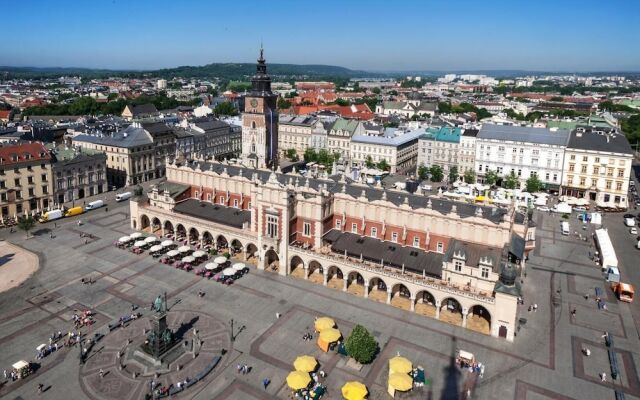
565 228
51 215
123 196
94 204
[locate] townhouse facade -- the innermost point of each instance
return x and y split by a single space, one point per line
295 132
78 173
400 151
440 146
340 134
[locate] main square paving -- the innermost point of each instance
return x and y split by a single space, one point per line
544 362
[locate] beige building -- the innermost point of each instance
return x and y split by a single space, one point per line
78 173
388 246
597 166
399 150
339 136
135 154
295 132
25 179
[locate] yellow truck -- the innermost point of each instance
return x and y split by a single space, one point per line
74 211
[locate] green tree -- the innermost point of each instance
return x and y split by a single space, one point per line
383 165
376 90
490 177
361 345
283 104
423 172
511 182
26 223
436 173
342 102
453 174
292 155
369 162
225 108
310 155
470 176
533 184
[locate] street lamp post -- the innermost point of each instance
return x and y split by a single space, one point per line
232 338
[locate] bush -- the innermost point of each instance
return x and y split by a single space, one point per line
361 345
565 216
227 255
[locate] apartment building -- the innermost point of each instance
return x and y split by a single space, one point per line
296 132
399 150
25 179
440 146
78 173
339 136
597 166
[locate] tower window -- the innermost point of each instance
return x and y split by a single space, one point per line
253 124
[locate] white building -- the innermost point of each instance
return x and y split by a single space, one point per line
339 136
440 146
161 84
525 151
467 151
597 166
295 132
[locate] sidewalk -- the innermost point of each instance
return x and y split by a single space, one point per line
110 196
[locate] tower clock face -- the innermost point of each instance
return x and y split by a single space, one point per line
254 103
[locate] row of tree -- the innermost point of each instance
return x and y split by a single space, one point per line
448 108
435 173
322 157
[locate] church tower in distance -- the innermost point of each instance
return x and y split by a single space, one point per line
260 121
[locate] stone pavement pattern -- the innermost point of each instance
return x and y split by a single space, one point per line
543 363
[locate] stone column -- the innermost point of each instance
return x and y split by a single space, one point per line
413 304
345 285
325 277
366 291
437 310
464 317
306 272
389 296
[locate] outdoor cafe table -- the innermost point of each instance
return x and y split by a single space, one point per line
238 266
155 248
199 253
188 259
229 272
184 249
151 239
211 266
220 260
135 235
139 243
172 253
167 243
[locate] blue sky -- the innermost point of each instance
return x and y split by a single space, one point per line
559 35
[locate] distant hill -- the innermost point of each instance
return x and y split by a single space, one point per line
221 70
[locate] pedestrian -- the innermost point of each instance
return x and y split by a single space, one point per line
50 235
239 368
101 373
277 315
5 374
603 376
573 312
535 307
40 388
265 383
55 224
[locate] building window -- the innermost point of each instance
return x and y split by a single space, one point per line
583 169
338 224
197 194
485 272
30 192
208 196
221 200
621 173
608 184
306 229
618 186
572 167
440 247
458 265
45 189
374 232
354 228
272 226
235 203
416 241
394 237
585 159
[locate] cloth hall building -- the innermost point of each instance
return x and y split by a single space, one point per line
453 261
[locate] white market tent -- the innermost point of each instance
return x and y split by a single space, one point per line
172 253
188 259
220 260
184 249
605 247
167 243
198 253
151 239
238 266
139 243
211 266
155 248
229 272
135 235
124 239
20 364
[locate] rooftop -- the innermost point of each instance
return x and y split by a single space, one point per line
131 136
388 140
23 153
443 134
527 134
214 212
596 140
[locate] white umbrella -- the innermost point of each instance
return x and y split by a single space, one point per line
220 260
139 243
155 248
172 253
229 272
167 243
211 266
188 259
124 239
151 239
198 253
135 235
184 249
238 266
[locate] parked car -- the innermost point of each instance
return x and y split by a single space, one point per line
633 231
630 221
543 208
580 208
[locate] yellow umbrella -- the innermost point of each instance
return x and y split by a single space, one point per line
324 323
298 380
330 335
354 390
305 364
400 364
400 381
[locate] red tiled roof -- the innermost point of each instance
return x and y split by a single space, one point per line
4 114
25 152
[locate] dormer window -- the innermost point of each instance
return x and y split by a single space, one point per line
457 265
460 255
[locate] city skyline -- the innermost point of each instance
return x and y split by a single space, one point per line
566 37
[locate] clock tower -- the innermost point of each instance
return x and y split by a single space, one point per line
260 121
